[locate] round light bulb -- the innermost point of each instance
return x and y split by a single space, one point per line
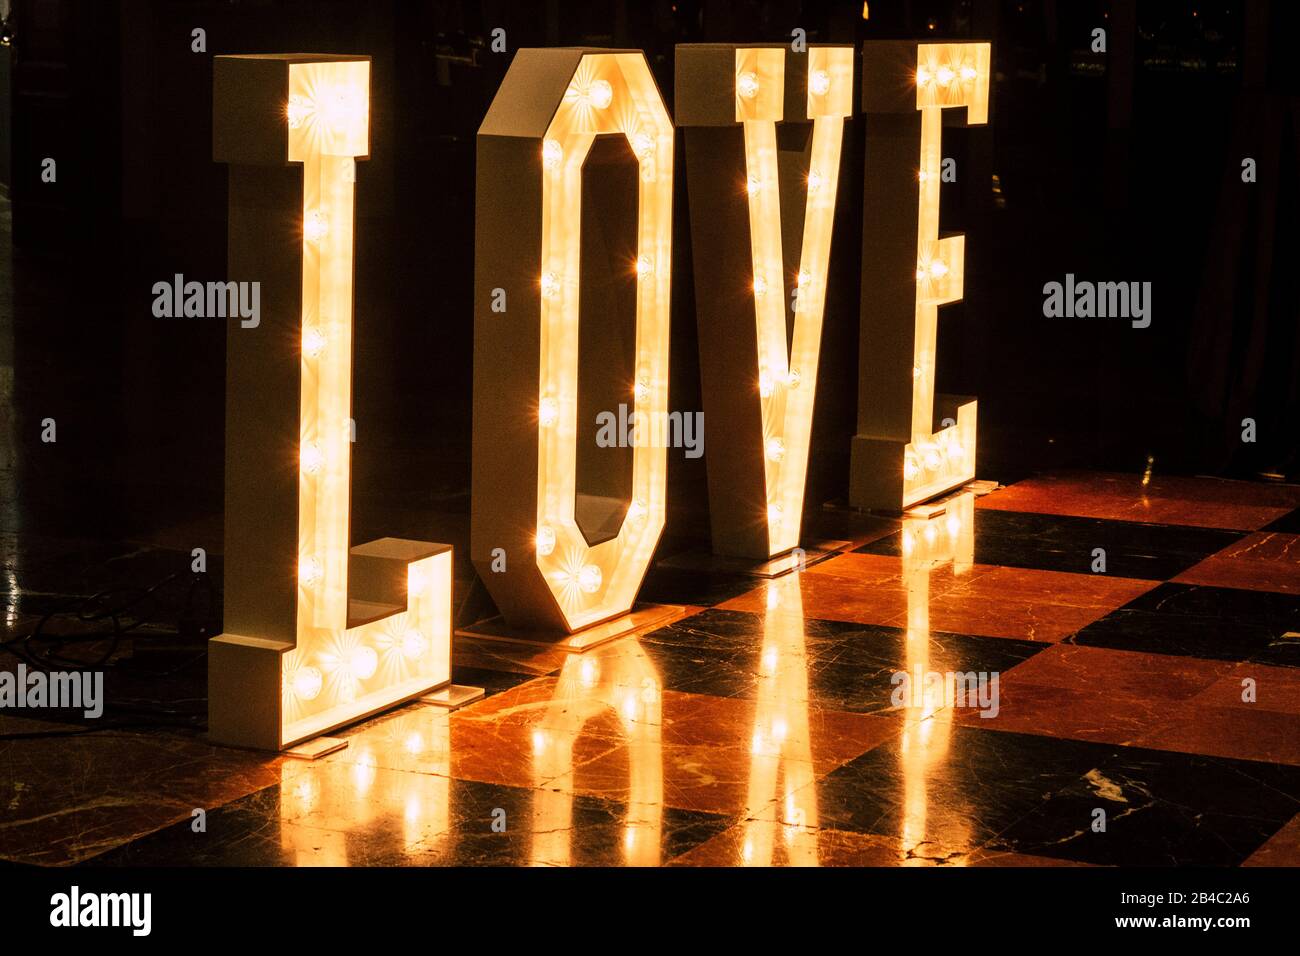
313 459
805 277
774 514
643 145
910 468
922 76
602 94
363 662
309 570
589 578
313 342
760 287
315 226
550 285
819 81
793 378
552 153
775 449
765 383
645 266
938 269
968 73
814 181
548 410
544 540
945 75
306 682
298 109
747 85
637 510
753 185
641 391
413 644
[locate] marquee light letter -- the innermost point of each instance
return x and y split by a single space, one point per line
555 110
316 635
901 454
760 276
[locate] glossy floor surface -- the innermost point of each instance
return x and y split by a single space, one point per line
1130 651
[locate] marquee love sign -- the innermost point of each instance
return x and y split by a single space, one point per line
911 445
317 635
573 261
762 204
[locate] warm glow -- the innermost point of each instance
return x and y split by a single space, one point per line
592 583
947 75
786 410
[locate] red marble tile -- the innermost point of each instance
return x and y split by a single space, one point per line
1281 849
1100 670
1259 562
979 599
1234 732
1198 502
1275 689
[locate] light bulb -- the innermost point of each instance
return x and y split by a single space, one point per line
309 570
938 269
313 342
793 378
298 109
637 510
922 175
552 153
945 75
306 683
313 459
775 449
413 644
363 662
747 85
932 459
315 226
602 94
814 181
910 468
819 81
645 266
643 145
916 371
544 540
922 76
550 285
968 73
641 391
805 277
548 410
765 383
753 185
339 107
760 287
774 514
589 578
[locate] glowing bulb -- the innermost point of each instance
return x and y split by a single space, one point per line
637 510
602 94
363 662
910 468
945 75
306 683
339 107
819 81
955 451
968 73
792 378
645 266
545 540
765 383
315 226
309 570
805 277
938 269
774 514
589 578
747 85
552 153
753 185
298 109
413 644
313 342
922 76
932 459
916 371
548 410
760 287
550 285
814 180
641 391
775 449
643 145
313 459
922 176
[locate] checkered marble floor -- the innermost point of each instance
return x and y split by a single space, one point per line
1142 636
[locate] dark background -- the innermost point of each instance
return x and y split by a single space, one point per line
1116 167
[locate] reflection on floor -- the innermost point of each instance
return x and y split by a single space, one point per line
1078 669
